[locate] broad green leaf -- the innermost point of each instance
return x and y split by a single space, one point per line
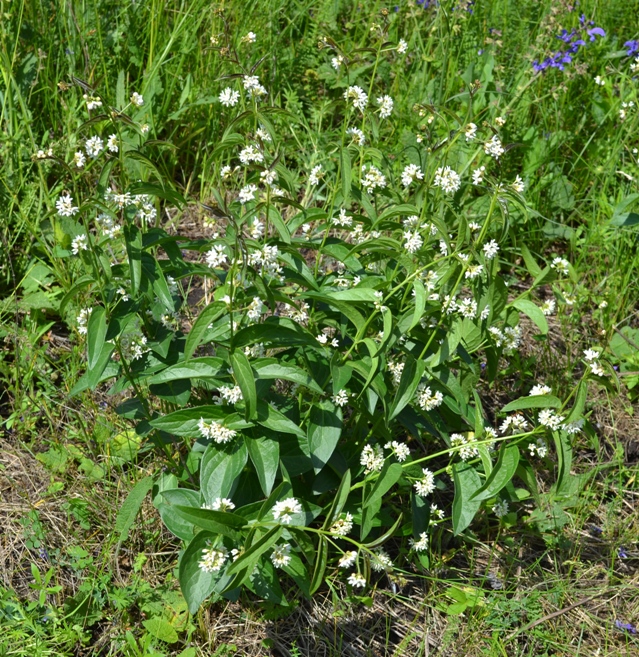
175 522
130 507
96 334
185 422
275 333
390 532
272 419
420 303
388 477
220 469
265 455
320 565
133 240
218 522
467 482
353 295
532 401
340 500
161 629
275 218
501 474
533 311
324 431
246 380
201 325
410 379
246 562
196 584
580 402
207 367
346 174
272 368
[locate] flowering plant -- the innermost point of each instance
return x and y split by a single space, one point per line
323 397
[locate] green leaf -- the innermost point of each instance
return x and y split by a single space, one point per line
218 522
411 376
467 482
220 469
501 474
197 368
185 422
175 522
133 240
340 500
271 368
265 455
627 219
196 584
96 334
271 418
320 565
420 303
388 477
161 629
276 219
246 380
275 332
534 312
212 312
246 562
532 401
129 509
324 431
346 173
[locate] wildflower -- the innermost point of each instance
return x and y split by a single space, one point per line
466 451
396 370
92 102
94 146
548 418
281 555
82 320
341 398
485 312
471 132
385 106
65 206
500 509
358 97
447 179
548 307
500 121
490 249
591 354
137 99
561 265
112 143
540 389
230 394
572 428
43 155
358 136
402 46
284 510
372 458
252 85
250 154
410 173
220 504
79 159
225 172
144 128
342 526
494 147
356 581
315 175
216 256
249 38
343 219
599 81
372 179
413 241
380 561
247 193
473 271
262 134
213 559
421 545
337 61
597 369
628 627
518 185
516 423
538 448
478 175
426 485
400 450
436 512
215 431
347 559
79 243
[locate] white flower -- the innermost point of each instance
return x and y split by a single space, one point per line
599 80
413 241
341 398
400 450
358 136
518 185
94 146
396 370
484 313
591 354
225 172
230 394
597 369
425 398
402 46
514 423
470 132
78 244
467 450
426 485
65 206
380 561
281 555
500 121
410 173
315 175
561 265
421 545
268 177
79 159
548 307
356 580
249 38
343 219
43 155
252 85
385 106
548 418
216 256
137 99
284 510
247 193
250 154
257 229
213 559
262 134
372 179
144 128
358 97
473 271
572 428
539 448
500 509
540 389
92 101
342 526
372 458
82 320
215 431
347 559
229 97
337 61
112 143
220 504
494 147
490 249
478 175
447 179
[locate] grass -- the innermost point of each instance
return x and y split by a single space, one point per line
550 584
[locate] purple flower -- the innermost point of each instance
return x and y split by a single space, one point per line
595 32
629 627
621 553
632 47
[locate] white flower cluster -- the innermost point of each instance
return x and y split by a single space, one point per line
215 431
494 147
229 97
421 544
65 207
216 256
516 423
467 450
400 450
340 398
411 172
470 132
284 510
426 485
538 448
343 525
381 562
396 370
253 87
266 260
372 178
540 389
220 504
413 241
79 243
500 509
372 458
357 96
561 265
82 320
281 556
509 338
548 418
250 154
591 357
426 399
385 106
358 136
213 559
230 394
447 179
348 559
343 219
